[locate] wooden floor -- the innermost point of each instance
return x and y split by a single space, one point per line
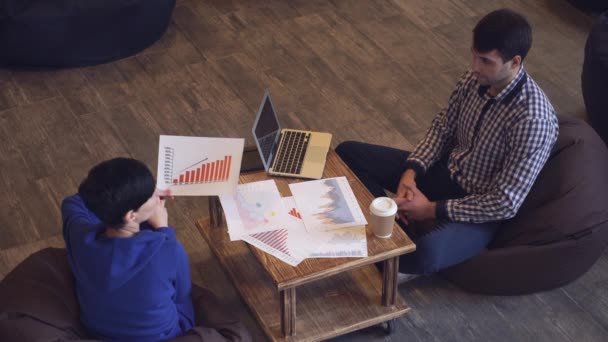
372 70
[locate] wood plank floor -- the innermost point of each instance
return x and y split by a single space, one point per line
371 70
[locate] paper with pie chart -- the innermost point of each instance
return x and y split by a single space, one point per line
255 207
199 166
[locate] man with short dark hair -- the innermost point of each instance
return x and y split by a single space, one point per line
131 273
479 158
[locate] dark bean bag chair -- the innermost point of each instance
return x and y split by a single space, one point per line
9 8
594 78
561 228
64 33
37 303
590 5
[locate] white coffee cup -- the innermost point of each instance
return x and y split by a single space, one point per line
382 218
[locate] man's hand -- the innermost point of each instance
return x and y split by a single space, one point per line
160 218
405 191
419 208
407 185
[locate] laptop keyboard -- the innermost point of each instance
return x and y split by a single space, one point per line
291 153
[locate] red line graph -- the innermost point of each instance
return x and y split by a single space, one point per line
210 172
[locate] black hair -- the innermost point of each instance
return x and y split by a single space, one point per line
504 30
114 187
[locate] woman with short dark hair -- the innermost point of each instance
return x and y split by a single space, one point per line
132 274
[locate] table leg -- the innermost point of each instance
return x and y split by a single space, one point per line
389 281
288 311
216 214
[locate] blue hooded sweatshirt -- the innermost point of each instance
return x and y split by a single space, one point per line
129 289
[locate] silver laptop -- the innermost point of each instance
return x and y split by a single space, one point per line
288 152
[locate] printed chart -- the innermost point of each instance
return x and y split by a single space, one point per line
327 204
274 243
256 207
350 242
202 171
199 166
294 243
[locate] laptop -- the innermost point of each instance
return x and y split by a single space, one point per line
288 152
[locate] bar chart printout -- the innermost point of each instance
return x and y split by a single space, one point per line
203 172
199 166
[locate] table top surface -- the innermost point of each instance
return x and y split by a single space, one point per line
312 269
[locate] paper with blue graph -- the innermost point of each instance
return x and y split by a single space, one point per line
327 204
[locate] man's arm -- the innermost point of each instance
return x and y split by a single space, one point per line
434 145
530 143
439 136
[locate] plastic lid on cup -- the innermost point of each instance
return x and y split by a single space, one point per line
383 206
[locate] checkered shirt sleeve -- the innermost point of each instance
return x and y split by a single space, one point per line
439 136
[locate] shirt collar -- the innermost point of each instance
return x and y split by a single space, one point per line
511 90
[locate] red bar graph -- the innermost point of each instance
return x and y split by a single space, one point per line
209 172
293 212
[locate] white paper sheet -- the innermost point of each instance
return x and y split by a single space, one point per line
350 242
327 204
256 207
198 166
274 243
294 243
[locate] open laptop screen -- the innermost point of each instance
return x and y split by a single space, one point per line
266 130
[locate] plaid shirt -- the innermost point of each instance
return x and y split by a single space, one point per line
496 147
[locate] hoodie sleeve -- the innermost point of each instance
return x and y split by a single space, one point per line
77 219
441 133
183 285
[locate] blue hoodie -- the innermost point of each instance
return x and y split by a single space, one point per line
129 289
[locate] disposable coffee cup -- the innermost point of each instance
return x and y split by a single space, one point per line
382 218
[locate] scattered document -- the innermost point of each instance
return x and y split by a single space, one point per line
256 207
288 244
294 243
348 242
327 204
275 244
197 166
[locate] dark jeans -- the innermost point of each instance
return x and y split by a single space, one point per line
446 243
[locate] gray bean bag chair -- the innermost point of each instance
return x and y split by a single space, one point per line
64 33
37 303
594 78
561 228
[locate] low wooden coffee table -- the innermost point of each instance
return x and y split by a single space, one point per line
334 296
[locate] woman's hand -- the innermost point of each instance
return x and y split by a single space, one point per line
160 218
